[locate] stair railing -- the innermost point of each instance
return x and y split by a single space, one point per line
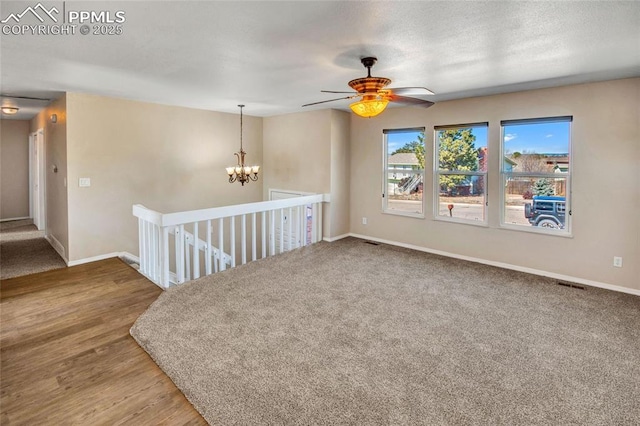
178 247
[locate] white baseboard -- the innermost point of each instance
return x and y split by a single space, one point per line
124 254
57 246
14 218
505 265
339 237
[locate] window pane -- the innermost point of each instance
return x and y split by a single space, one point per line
462 149
466 201
404 171
535 201
537 147
405 192
536 169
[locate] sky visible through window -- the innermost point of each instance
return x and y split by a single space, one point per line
398 140
541 138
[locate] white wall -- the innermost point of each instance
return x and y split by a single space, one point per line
14 169
606 182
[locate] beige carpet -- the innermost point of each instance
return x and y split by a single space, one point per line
24 250
354 333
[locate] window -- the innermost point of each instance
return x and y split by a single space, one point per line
461 173
403 172
536 174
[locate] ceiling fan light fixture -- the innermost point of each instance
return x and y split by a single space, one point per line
10 110
369 107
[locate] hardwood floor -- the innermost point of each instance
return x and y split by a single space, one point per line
67 356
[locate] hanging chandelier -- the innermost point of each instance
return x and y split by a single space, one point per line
240 172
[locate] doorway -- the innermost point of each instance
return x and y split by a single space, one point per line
37 170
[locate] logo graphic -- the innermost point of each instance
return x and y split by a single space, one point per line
45 21
34 11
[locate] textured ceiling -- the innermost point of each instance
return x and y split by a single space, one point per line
276 56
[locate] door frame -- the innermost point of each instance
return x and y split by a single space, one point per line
37 179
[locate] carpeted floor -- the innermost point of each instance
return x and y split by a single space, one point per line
354 333
24 251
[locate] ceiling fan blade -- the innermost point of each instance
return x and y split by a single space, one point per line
410 101
411 91
332 91
330 100
24 97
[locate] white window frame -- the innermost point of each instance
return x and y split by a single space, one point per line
505 176
385 171
437 172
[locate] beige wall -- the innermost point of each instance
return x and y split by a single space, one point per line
14 169
297 152
340 174
606 182
166 158
55 140
309 152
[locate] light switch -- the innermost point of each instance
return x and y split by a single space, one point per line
85 182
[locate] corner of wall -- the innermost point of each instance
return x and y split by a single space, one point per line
55 140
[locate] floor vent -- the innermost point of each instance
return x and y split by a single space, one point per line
579 287
372 243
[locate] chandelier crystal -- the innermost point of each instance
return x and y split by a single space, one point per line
241 172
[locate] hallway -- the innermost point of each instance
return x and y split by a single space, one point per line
24 250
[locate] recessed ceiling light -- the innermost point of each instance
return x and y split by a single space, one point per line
9 110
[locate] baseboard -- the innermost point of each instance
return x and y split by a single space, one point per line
14 218
130 257
57 246
504 265
103 257
339 237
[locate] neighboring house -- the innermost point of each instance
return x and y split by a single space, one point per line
402 161
399 176
540 162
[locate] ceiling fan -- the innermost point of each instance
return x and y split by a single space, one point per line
375 95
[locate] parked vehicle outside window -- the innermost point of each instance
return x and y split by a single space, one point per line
546 211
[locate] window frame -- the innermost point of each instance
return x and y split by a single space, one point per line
505 176
385 173
437 173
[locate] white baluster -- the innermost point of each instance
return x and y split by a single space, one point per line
290 219
264 234
196 252
253 236
281 237
180 254
187 255
232 248
207 251
141 244
272 232
243 239
165 257
221 244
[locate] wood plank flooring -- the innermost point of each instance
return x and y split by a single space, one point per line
66 356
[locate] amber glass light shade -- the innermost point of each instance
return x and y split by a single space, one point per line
369 107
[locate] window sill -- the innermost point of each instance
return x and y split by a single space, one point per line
405 214
536 230
441 218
